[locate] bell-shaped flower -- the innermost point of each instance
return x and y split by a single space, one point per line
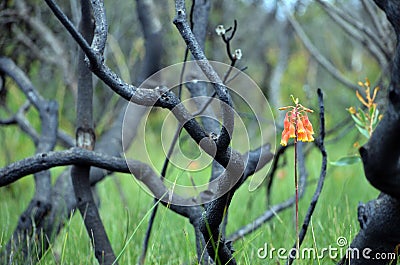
296 124
307 124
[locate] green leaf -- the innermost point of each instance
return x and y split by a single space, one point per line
363 131
357 120
362 116
372 110
346 161
375 121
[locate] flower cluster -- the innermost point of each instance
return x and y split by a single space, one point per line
296 124
366 120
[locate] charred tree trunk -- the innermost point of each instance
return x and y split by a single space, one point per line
85 138
379 235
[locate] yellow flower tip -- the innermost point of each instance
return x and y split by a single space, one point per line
305 136
367 92
352 110
285 138
360 84
284 108
367 83
376 89
361 99
302 136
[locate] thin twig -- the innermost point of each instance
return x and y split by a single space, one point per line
358 31
271 173
169 154
155 202
181 24
272 211
374 17
321 59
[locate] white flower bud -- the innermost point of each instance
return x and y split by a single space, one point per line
237 54
220 30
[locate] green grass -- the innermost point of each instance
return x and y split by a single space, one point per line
125 215
125 218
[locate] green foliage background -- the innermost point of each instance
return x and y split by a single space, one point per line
125 206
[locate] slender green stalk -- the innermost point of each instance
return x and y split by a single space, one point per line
296 184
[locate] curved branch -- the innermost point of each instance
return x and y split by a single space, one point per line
321 59
198 54
375 20
82 157
101 27
8 67
362 33
161 97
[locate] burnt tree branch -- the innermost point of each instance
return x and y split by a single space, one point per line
184 29
161 96
85 135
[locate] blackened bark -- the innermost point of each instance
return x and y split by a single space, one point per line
110 143
88 209
181 24
375 243
161 97
382 152
379 218
199 92
225 156
85 138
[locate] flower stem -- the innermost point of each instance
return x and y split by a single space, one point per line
296 184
